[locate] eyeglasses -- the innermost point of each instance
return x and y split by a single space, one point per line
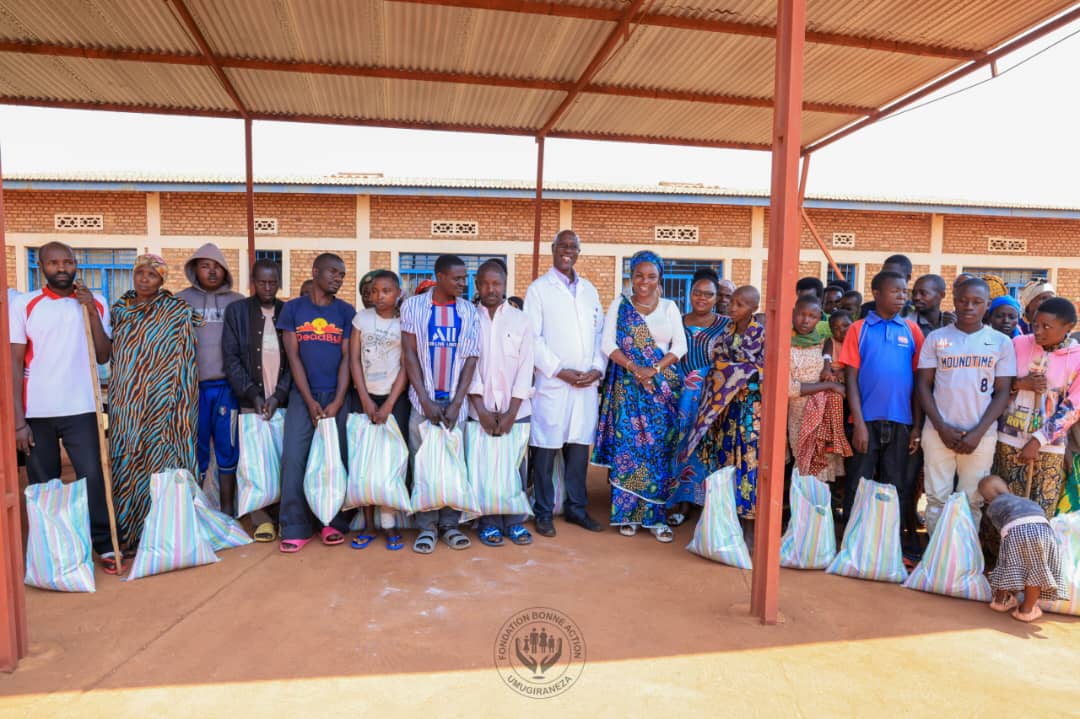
702 294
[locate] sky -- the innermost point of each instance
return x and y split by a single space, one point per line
1012 139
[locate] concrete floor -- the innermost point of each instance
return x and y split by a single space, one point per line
336 632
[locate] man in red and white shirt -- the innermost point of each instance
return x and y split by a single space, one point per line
54 390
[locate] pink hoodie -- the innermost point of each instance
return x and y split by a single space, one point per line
1058 408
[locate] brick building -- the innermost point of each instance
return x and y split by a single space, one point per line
375 222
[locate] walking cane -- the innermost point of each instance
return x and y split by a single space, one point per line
106 470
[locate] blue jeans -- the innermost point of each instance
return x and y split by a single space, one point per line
217 421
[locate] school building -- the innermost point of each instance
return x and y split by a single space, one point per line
376 222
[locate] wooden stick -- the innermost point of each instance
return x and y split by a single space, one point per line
106 469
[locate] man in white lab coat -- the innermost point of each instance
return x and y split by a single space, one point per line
568 320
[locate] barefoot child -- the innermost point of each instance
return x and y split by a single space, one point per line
1029 560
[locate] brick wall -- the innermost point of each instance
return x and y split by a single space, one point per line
635 223
1067 285
948 273
300 262
12 275
523 272
740 272
806 269
225 213
380 260
177 257
123 213
498 219
886 232
872 268
600 270
1050 238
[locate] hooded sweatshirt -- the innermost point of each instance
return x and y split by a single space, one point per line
1049 416
210 306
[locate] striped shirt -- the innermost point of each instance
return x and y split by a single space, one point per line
446 336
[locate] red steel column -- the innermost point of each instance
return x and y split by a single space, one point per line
13 638
250 195
783 267
539 206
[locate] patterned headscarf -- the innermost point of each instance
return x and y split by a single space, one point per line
650 257
1032 290
997 286
154 262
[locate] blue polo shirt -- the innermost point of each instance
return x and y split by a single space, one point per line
886 352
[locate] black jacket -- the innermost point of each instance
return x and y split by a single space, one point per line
242 350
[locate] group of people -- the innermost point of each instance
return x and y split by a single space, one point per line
891 390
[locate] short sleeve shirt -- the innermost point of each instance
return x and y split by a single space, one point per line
380 350
886 353
966 366
57 380
319 334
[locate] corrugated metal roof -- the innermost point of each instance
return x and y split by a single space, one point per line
433 62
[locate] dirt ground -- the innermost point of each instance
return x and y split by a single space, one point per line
335 631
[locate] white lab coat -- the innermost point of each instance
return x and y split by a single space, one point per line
568 336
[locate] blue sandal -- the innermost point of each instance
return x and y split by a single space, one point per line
362 540
491 536
394 542
518 534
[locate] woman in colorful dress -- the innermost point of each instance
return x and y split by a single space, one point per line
643 336
153 392
726 430
703 327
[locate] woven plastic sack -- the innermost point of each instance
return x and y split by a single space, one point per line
1067 533
440 478
58 550
325 477
172 537
810 539
871 545
258 474
718 535
221 530
378 462
494 468
953 562
210 486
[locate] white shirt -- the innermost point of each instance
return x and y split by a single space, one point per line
505 368
664 322
380 350
966 366
58 379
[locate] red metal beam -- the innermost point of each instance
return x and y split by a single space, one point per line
13 637
1020 42
249 196
386 73
784 244
703 25
538 206
611 44
192 28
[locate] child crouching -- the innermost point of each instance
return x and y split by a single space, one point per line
1029 560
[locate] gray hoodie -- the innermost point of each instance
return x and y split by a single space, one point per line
211 307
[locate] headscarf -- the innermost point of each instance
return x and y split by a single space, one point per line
1011 302
997 286
424 287
647 256
1032 290
154 262
367 278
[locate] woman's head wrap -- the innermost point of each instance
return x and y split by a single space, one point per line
997 286
1032 290
154 262
650 257
1006 300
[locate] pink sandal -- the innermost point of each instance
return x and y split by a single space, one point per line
331 536
292 546
1031 616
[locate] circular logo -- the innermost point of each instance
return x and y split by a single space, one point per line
540 652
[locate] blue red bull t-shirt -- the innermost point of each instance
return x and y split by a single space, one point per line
319 331
444 329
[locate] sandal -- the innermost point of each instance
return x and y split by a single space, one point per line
1031 616
456 540
663 534
265 532
425 542
110 566
676 519
394 543
518 534
331 536
292 546
628 530
362 540
1009 604
490 536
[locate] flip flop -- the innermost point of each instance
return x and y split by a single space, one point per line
663 534
425 542
362 540
110 566
518 534
676 519
1031 616
292 546
394 543
331 536
628 530
456 540
265 532
490 536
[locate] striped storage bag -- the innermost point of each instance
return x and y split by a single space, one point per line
718 535
871 545
172 537
440 478
1067 533
58 551
378 462
953 562
810 539
221 530
325 477
258 474
494 468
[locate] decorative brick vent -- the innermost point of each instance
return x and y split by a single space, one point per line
453 228
79 222
844 240
675 233
265 225
1006 244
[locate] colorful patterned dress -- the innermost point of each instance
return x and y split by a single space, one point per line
728 424
635 437
153 401
701 342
